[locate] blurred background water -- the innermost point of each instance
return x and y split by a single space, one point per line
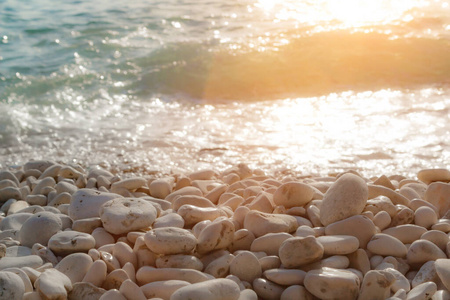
305 86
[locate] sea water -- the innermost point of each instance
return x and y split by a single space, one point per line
308 87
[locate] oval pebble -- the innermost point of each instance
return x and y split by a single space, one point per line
338 244
386 245
246 266
215 289
298 251
39 228
170 240
67 242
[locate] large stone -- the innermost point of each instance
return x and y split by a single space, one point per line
298 251
386 245
345 198
67 242
123 215
262 223
438 194
216 289
292 194
53 284
329 283
39 228
86 203
358 226
11 286
170 240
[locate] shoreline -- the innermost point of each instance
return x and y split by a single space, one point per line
67 232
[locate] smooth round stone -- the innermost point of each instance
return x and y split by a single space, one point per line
115 279
220 267
194 200
96 274
247 294
169 220
53 284
359 226
438 194
269 243
130 184
75 266
243 240
33 261
170 240
9 192
285 276
124 253
335 261
376 285
179 261
430 175
39 228
262 223
148 274
11 286
188 190
193 214
162 289
328 283
338 244
437 237
266 289
160 188
378 190
386 245
67 242
16 251
215 289
295 292
422 291
298 251
345 198
426 273
246 266
131 290
86 203
123 215
443 270
292 194
217 235
359 260
382 220
113 294
422 251
87 225
407 233
85 291
14 221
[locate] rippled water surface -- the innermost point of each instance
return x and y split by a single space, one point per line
307 86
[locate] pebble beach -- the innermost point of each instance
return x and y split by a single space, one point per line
68 232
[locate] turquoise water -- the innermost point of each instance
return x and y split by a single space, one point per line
307 86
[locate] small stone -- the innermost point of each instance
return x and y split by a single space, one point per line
285 276
422 251
345 198
39 228
431 175
220 267
131 290
180 261
386 245
53 284
11 286
161 188
75 266
378 190
295 292
215 289
423 291
32 261
87 225
96 274
162 289
338 244
169 220
85 291
148 274
298 251
382 220
261 223
401 282
123 215
170 240
359 226
67 242
426 273
443 270
376 285
193 214
269 243
329 283
114 279
246 266
437 237
407 233
267 289
7 193
438 194
217 235
292 194
86 203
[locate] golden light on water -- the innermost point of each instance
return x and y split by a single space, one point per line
349 13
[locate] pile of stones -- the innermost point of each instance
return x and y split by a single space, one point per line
71 233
